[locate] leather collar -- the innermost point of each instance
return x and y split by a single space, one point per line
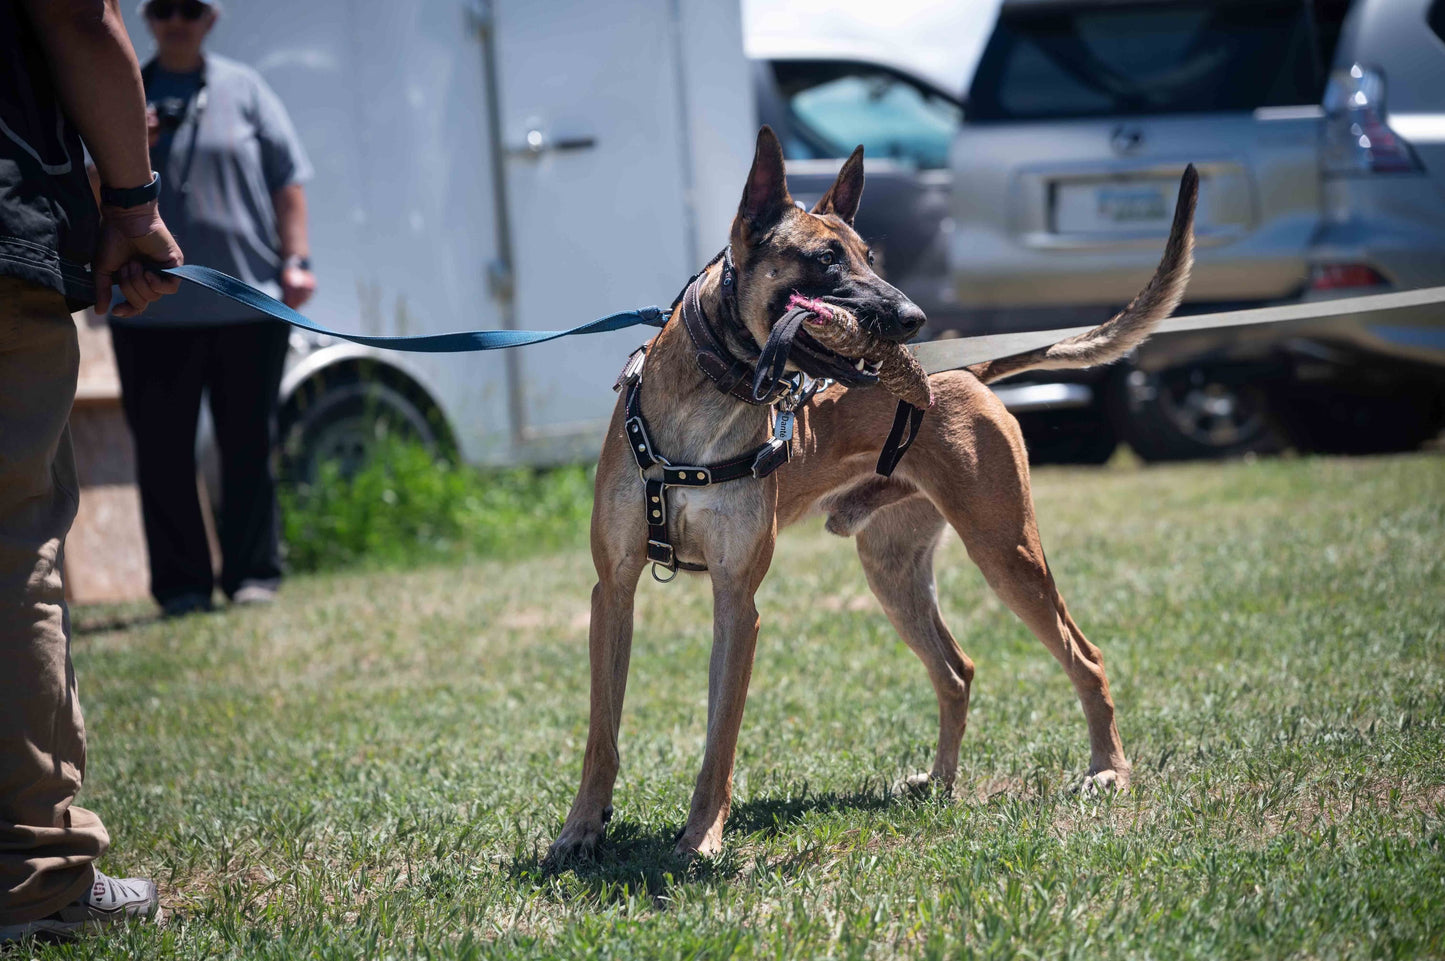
728 373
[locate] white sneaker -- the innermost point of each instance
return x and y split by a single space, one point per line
108 901
254 592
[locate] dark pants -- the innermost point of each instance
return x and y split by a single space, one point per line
163 371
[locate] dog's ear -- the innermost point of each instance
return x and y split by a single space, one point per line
765 196
842 198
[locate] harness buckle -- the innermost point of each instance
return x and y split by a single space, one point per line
632 370
770 458
660 552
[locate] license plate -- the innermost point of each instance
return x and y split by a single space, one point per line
1115 207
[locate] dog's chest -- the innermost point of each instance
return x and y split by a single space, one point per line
717 525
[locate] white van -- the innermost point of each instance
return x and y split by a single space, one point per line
503 164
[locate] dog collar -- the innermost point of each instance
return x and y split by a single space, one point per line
728 373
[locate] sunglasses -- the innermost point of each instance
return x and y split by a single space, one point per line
188 9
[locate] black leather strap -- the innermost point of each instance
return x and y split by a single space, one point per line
773 361
128 197
905 431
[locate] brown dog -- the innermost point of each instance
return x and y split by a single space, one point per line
967 469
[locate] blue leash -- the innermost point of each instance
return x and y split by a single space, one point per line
458 342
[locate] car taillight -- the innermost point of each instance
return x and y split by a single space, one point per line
1339 276
1356 139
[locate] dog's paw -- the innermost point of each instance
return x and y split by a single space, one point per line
578 841
691 846
1096 783
922 785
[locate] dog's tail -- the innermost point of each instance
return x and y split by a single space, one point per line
1130 327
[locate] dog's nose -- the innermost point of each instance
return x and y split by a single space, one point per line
911 318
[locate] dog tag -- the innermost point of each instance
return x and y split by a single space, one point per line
783 426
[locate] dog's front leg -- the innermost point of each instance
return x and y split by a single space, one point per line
610 650
734 640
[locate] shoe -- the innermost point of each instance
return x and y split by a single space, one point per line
183 604
254 592
108 901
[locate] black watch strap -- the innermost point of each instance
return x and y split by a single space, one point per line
131 196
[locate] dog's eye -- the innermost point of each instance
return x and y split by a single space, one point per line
870 258
826 258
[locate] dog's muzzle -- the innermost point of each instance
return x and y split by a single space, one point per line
898 320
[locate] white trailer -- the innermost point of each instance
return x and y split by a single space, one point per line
503 164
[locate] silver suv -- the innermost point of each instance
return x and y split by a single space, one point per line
1041 200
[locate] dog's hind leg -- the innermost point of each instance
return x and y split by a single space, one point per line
992 509
1020 575
896 549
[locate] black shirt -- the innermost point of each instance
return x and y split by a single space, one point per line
49 224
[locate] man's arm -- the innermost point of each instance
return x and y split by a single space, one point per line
98 80
297 284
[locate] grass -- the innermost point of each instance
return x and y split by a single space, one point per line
406 507
374 765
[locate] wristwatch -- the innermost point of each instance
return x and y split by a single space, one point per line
127 197
296 261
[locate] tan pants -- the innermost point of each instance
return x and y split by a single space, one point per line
47 845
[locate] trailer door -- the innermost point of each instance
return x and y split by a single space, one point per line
597 170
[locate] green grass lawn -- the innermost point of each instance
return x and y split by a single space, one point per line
375 765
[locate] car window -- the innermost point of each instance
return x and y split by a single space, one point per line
1436 18
836 106
1147 59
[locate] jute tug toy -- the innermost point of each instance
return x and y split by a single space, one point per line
899 371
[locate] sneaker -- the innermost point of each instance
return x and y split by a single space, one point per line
254 592
184 604
108 901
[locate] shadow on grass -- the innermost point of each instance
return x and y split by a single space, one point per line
632 860
81 625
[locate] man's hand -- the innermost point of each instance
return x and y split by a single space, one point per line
130 240
297 286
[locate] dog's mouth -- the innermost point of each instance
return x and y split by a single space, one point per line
815 360
848 353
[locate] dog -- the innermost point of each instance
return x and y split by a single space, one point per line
967 469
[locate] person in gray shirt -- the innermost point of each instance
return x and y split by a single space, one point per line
232 169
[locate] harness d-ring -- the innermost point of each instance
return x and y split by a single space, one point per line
663 580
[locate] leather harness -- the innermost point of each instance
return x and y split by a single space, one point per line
762 385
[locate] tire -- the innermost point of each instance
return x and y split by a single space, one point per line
1082 436
1195 413
347 419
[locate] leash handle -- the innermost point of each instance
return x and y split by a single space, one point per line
457 342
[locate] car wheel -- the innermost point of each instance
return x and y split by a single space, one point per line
1082 436
1190 413
346 424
